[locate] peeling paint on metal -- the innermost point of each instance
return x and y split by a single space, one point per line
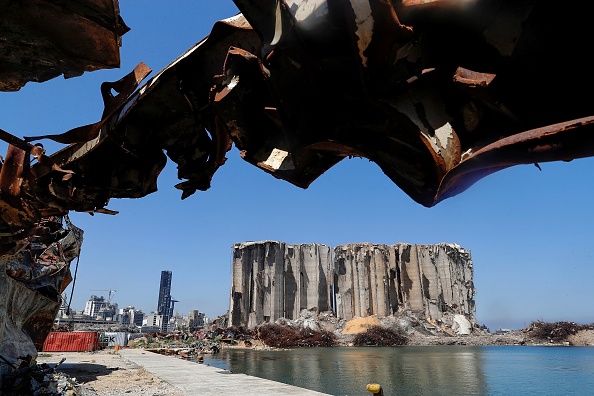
308 8
279 160
234 81
278 24
443 135
364 22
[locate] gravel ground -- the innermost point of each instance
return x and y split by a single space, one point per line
106 373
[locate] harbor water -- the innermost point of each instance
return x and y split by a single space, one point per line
422 370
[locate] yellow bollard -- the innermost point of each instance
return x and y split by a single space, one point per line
376 389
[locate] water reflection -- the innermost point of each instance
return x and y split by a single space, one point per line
434 370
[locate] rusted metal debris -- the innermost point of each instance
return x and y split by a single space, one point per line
42 39
557 332
31 284
41 379
439 94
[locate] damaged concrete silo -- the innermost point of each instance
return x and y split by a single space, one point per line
426 280
273 280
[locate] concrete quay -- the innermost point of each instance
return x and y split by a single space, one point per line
198 379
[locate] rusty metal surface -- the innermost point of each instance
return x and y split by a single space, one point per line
430 92
439 94
43 39
32 282
423 88
76 341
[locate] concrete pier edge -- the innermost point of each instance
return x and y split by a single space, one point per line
200 379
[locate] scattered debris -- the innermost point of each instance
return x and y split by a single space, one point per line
31 283
557 332
278 336
380 336
39 379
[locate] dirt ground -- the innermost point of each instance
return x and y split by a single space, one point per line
582 338
106 373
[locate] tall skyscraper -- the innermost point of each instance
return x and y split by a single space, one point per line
164 306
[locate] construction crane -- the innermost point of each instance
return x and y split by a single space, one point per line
108 295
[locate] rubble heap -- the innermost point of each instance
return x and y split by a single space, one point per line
39 379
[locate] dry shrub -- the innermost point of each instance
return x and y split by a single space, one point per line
277 336
239 333
380 336
554 332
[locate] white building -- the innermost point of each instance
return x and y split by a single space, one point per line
93 306
98 308
131 316
153 320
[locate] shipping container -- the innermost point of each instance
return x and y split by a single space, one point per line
114 338
72 341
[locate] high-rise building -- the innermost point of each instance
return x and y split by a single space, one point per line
164 306
94 305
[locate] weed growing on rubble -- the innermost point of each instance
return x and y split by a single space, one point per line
380 336
277 336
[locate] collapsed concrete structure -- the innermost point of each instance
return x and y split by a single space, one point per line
272 280
383 280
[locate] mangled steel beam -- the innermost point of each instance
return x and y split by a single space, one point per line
169 116
429 92
439 95
135 130
31 283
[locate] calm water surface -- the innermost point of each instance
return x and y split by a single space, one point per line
427 370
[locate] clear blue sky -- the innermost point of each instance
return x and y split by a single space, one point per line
530 232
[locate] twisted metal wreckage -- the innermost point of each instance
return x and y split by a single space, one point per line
437 93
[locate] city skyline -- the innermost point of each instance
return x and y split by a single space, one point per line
165 303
